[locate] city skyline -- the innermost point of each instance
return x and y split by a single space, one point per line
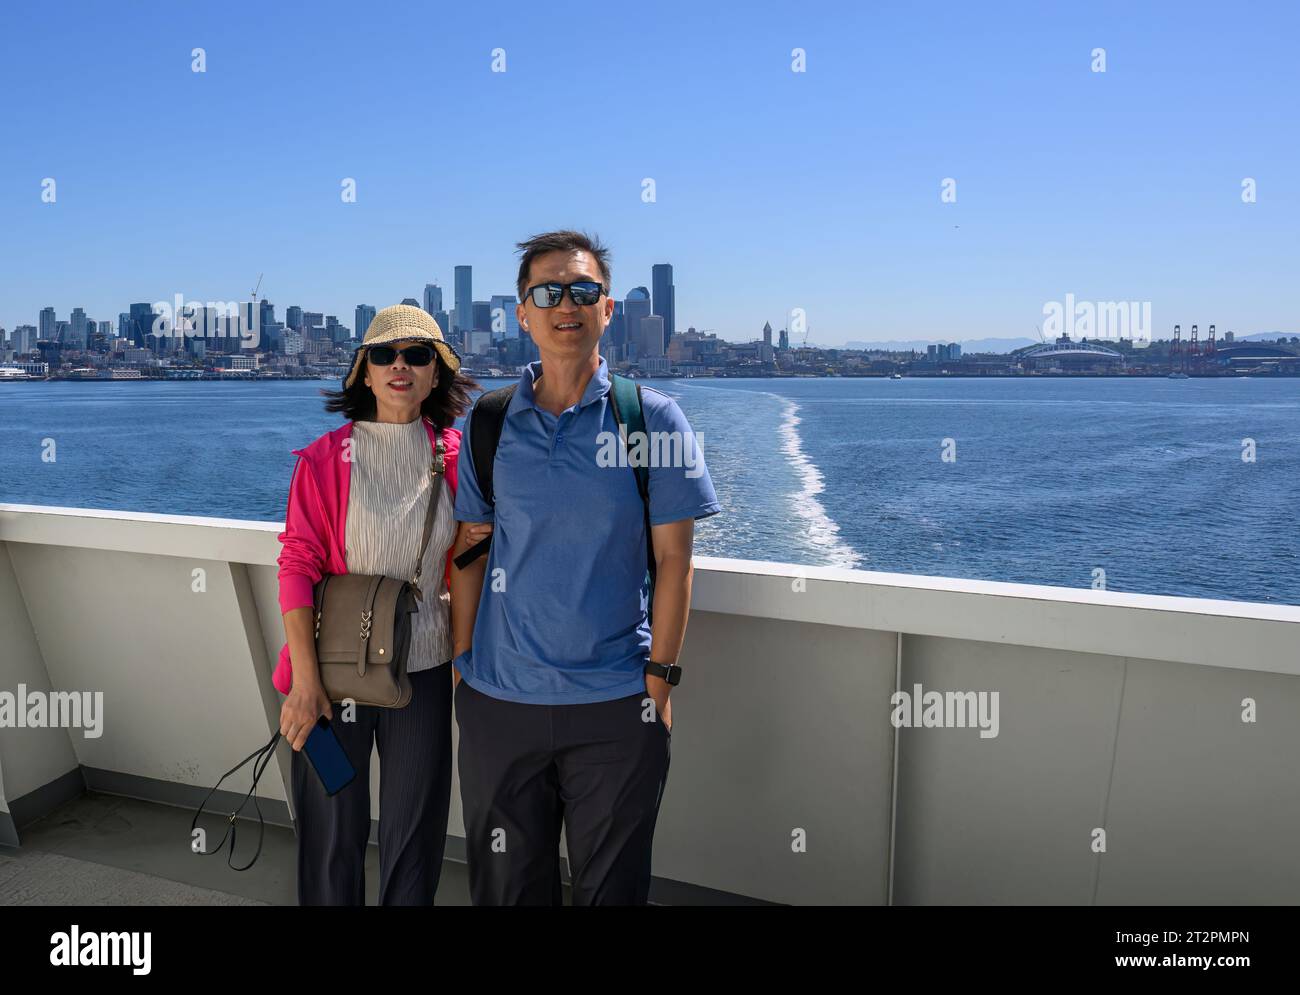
884 344
821 189
496 314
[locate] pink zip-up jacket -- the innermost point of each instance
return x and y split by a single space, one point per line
315 523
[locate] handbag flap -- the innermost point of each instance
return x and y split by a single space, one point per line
340 624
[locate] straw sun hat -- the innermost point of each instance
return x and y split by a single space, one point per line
398 323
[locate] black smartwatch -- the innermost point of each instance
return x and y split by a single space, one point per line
668 671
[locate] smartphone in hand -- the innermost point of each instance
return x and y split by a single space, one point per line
326 754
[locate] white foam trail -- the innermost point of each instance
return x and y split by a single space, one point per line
821 531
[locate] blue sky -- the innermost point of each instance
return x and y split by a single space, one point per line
775 190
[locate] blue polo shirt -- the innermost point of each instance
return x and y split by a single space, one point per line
562 616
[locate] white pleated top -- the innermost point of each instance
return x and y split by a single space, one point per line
388 497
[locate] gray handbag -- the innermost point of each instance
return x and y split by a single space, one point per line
363 623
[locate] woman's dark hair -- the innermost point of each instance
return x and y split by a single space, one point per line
445 403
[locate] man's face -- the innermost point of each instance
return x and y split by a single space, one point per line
566 330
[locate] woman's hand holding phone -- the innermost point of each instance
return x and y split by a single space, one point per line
305 703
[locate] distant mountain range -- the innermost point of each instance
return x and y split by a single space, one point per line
1265 336
968 345
1010 345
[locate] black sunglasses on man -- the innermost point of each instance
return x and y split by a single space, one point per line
581 292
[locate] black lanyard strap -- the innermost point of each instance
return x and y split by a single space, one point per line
261 758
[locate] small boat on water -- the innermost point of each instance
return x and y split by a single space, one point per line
1178 376
896 376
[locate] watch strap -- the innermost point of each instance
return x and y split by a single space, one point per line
670 672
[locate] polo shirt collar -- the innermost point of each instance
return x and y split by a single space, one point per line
524 398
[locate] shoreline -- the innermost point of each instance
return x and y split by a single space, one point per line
210 378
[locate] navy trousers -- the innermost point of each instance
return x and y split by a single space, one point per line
414 796
597 769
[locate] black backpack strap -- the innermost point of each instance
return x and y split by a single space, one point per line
629 414
485 424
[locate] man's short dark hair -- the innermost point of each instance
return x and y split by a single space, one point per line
560 241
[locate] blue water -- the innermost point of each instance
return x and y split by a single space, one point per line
1052 479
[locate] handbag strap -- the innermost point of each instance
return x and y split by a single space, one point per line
263 756
436 469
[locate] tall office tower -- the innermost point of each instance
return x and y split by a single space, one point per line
335 332
767 334
313 325
482 316
528 348
293 318
205 324
464 316
410 302
783 339
61 335
123 325
268 329
270 337
617 332
365 315
184 325
661 278
139 325
77 333
244 327
444 322
24 338
652 336
229 323
479 343
47 321
432 298
505 322
635 307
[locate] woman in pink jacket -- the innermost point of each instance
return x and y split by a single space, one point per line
357 504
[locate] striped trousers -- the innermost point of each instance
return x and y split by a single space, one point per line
414 746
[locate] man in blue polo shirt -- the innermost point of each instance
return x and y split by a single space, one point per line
562 687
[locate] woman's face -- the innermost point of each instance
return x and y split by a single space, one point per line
400 388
